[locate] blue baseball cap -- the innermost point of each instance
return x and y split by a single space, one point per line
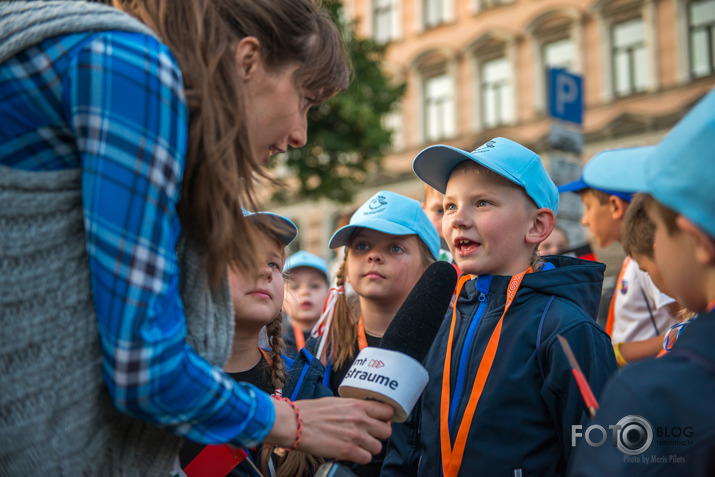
679 172
284 229
507 158
306 259
391 214
579 185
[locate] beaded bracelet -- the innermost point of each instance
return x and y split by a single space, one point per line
299 433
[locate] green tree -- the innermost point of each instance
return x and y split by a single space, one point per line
346 136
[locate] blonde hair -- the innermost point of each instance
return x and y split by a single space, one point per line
342 333
220 170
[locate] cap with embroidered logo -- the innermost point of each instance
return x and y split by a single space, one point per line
306 259
392 214
678 172
284 229
507 158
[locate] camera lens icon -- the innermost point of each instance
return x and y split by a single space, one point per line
634 435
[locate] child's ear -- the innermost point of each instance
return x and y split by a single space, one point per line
542 225
618 207
704 243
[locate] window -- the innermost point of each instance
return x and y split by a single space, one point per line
486 4
497 96
383 20
439 107
433 12
701 22
559 54
629 57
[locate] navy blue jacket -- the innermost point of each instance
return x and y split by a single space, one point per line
676 395
524 417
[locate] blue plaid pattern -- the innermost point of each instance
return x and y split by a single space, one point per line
112 104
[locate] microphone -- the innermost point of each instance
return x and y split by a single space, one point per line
393 373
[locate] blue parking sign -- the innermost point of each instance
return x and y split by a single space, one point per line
565 96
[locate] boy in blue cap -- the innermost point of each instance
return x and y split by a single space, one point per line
307 285
501 398
638 312
660 412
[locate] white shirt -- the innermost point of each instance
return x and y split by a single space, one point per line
632 320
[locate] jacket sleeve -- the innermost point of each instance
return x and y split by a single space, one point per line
594 353
403 452
619 400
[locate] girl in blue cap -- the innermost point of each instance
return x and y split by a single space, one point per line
389 243
257 299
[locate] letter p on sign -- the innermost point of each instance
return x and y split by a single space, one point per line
565 96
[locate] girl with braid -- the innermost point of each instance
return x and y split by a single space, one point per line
389 243
257 300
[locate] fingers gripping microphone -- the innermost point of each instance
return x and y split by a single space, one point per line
393 373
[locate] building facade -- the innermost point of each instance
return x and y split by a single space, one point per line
477 69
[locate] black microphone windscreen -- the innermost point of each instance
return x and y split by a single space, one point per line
417 322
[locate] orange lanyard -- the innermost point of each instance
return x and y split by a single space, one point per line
362 339
612 309
711 306
299 338
452 457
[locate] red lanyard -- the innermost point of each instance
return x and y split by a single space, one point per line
362 339
452 457
299 338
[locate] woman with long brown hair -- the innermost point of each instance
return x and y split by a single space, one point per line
127 152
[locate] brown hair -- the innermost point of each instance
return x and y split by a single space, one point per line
667 214
220 170
638 232
601 196
342 333
293 463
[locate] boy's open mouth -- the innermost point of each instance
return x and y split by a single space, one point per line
466 245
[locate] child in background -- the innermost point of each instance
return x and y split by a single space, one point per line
673 396
389 243
306 278
257 302
501 398
638 310
432 205
556 243
637 239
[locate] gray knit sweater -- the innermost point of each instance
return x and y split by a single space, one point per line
56 416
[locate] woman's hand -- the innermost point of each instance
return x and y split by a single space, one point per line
344 429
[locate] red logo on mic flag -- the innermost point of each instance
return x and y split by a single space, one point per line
375 363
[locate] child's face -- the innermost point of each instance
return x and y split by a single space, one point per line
486 219
434 210
599 220
307 290
554 244
258 300
382 267
648 265
675 258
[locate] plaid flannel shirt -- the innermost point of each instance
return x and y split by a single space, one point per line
112 104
